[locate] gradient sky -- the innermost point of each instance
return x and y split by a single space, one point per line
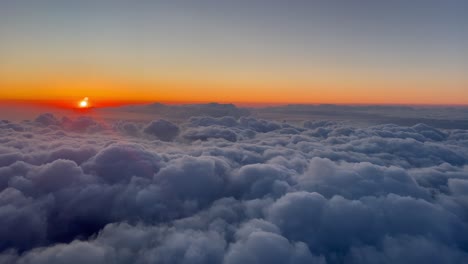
325 51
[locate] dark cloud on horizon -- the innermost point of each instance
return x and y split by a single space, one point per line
231 189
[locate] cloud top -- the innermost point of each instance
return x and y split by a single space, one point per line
225 189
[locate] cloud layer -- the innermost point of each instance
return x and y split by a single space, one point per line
231 189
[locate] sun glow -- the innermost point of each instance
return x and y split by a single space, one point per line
84 103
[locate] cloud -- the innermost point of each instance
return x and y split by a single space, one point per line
23 220
259 125
265 247
211 132
227 121
82 124
121 162
406 249
47 119
56 175
200 179
354 180
128 128
259 180
162 129
231 189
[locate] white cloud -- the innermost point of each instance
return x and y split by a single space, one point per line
231 190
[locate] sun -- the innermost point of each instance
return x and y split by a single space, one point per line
84 103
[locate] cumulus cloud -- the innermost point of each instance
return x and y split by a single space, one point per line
47 119
162 129
211 132
227 121
121 162
231 189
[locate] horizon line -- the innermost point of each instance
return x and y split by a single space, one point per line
102 103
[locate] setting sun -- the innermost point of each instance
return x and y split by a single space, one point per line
84 103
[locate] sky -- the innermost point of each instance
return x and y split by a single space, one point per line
351 52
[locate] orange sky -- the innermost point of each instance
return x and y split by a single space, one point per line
312 52
343 90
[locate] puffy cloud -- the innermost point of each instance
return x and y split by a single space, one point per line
199 179
82 124
75 252
339 223
407 249
318 124
128 128
404 153
22 220
205 133
77 154
121 162
430 132
188 247
232 189
259 125
162 129
258 180
227 121
56 175
47 119
354 180
266 247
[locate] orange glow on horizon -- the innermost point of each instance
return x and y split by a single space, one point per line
62 92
